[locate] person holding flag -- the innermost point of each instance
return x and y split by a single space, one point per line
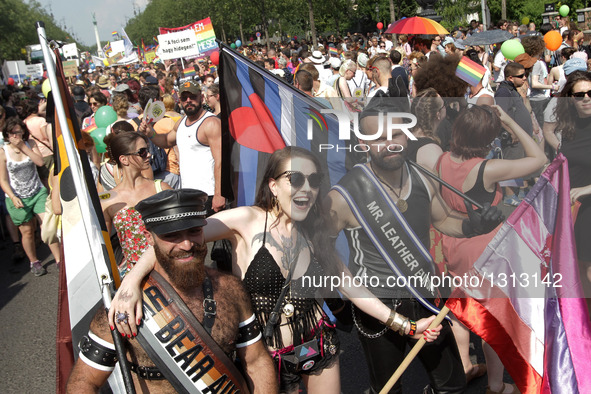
381 207
466 168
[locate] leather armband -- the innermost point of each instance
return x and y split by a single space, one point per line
249 332
97 352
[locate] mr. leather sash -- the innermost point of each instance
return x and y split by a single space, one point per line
390 233
180 347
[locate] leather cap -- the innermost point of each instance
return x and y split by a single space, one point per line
173 210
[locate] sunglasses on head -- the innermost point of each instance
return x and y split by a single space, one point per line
142 152
297 179
581 95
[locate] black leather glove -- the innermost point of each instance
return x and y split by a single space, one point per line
482 222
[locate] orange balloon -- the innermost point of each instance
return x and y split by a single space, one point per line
553 40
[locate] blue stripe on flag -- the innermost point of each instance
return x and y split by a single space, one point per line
273 101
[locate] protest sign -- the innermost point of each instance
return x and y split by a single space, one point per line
204 34
177 44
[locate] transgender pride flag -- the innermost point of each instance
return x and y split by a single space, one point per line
529 305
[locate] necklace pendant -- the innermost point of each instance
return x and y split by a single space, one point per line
288 310
402 205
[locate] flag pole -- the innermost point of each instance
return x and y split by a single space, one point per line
102 271
444 183
413 352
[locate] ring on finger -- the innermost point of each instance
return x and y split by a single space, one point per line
121 317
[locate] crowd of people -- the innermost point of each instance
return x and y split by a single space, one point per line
490 140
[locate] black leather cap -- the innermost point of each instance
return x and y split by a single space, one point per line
173 210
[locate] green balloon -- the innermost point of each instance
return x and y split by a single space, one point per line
564 10
105 116
511 49
233 46
98 135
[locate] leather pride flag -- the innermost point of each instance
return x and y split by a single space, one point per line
262 113
79 293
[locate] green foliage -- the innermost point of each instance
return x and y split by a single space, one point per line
283 16
454 12
17 27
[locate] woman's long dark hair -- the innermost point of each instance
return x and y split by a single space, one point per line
566 113
316 225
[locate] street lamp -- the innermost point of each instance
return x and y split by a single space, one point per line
377 12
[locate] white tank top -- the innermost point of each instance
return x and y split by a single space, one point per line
195 159
22 175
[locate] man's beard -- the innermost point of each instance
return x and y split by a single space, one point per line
184 276
194 110
384 162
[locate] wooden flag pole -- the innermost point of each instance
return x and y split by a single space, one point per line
413 353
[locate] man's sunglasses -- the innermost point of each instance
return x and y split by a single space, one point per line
520 76
581 95
297 179
142 152
187 97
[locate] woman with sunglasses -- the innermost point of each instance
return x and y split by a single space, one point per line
284 235
466 168
573 113
95 100
129 151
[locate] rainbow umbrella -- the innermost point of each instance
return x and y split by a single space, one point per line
416 25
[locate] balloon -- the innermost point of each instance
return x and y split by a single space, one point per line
11 81
251 39
46 88
564 10
233 46
238 43
92 66
105 116
525 20
98 135
553 40
380 25
511 49
215 57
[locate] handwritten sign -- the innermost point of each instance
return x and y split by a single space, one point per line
178 44
70 68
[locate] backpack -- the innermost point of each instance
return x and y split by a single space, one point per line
159 157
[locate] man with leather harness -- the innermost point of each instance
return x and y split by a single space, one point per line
198 318
385 208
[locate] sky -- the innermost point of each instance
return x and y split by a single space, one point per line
111 15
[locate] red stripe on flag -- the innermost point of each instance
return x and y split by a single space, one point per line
480 320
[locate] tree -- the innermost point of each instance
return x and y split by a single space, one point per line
17 27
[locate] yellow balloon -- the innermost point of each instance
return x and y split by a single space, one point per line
525 20
46 88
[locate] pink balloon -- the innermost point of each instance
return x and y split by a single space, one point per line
380 25
215 57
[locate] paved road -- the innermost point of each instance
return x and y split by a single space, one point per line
28 307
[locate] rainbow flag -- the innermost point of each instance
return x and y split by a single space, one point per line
212 69
114 34
189 72
332 51
470 71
